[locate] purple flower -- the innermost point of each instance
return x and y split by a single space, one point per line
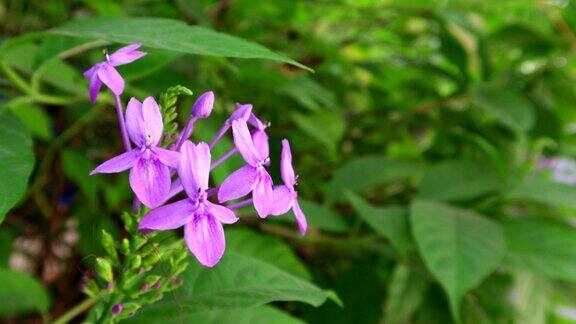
253 177
148 163
285 197
202 219
202 108
104 72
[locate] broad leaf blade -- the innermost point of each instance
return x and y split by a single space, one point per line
545 191
21 294
458 246
170 35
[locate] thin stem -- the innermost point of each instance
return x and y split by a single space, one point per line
77 310
212 191
219 135
186 133
18 81
240 204
223 158
122 124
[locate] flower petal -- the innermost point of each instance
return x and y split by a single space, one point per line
186 169
167 157
168 217
201 165
282 200
260 140
222 214
300 218
242 112
243 141
135 122
286 169
263 194
150 181
153 124
238 184
204 236
111 78
126 55
95 85
118 163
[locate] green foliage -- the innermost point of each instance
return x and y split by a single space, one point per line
22 294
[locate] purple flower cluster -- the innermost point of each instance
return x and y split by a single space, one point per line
157 174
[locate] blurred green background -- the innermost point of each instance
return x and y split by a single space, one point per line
434 143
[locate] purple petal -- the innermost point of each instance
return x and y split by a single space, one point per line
168 217
201 165
244 144
167 157
204 236
286 169
203 105
125 55
111 78
263 194
95 85
222 214
260 140
88 74
150 181
186 169
282 200
300 218
152 118
135 122
242 112
256 122
238 184
118 163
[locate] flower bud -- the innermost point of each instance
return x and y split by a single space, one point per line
109 246
203 105
117 309
104 269
135 262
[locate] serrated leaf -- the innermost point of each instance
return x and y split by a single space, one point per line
390 222
169 34
458 180
541 246
459 247
21 294
16 161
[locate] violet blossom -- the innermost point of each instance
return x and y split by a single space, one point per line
105 73
148 163
253 177
285 196
202 219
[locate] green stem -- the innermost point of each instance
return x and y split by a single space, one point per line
17 80
77 310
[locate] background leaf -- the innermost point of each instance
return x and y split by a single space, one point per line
21 294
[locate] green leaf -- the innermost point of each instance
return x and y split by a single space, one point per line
168 311
510 108
406 293
532 298
77 167
318 216
544 190
21 294
34 118
16 161
458 246
326 127
390 222
458 180
266 248
541 246
170 35
370 171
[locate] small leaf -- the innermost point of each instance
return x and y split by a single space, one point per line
370 171
406 293
541 246
21 294
458 180
390 222
34 118
170 35
543 190
16 161
458 246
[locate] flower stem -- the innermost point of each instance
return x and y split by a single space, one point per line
122 124
240 204
186 133
223 158
219 135
76 310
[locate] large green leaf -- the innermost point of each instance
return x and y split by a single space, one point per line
370 171
170 35
542 189
458 246
21 294
542 246
406 292
269 249
16 161
457 180
390 222
325 126
168 311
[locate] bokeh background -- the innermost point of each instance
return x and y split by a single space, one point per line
434 143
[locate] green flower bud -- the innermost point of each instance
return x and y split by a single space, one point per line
125 246
109 246
104 269
135 262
